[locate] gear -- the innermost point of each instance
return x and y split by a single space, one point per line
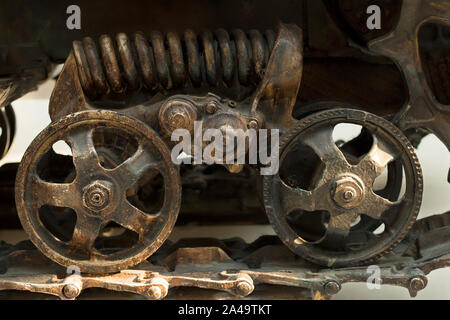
344 190
352 150
104 190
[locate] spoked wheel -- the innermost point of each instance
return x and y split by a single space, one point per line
120 177
304 167
335 198
353 149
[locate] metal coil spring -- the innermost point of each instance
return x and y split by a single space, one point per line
168 62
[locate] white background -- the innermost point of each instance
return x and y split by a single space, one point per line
32 117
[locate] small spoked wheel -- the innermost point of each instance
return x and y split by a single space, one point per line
334 196
115 194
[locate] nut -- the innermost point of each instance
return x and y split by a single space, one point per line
211 107
253 124
177 114
348 192
71 291
97 195
332 287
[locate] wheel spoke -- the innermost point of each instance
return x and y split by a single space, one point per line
129 172
53 194
391 214
338 230
377 159
296 198
130 217
375 205
85 157
86 231
394 181
321 141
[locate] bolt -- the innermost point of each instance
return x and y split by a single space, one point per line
177 114
71 291
417 284
211 107
244 288
348 194
178 119
253 124
96 196
155 292
331 288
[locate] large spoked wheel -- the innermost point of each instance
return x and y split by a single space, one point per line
343 191
352 148
114 161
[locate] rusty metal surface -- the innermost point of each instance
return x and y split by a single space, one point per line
110 204
352 16
422 109
97 194
205 63
344 189
230 266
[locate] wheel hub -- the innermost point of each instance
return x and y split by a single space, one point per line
97 195
348 191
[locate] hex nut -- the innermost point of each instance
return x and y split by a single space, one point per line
331 288
97 195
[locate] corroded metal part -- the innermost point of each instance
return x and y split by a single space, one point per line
209 60
99 192
266 71
179 114
68 96
351 150
422 109
82 82
345 190
277 93
239 273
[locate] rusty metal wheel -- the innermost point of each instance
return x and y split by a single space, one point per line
343 191
352 149
101 185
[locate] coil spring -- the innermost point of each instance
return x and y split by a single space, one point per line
168 62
